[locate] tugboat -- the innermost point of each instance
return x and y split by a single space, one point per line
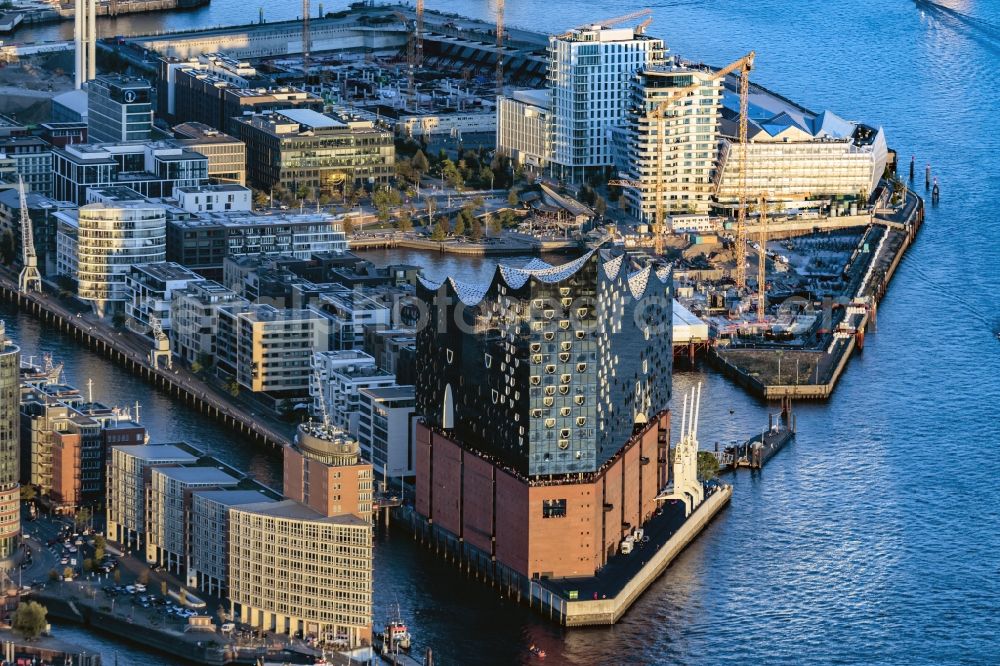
396 636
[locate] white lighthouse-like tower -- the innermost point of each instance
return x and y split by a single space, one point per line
85 38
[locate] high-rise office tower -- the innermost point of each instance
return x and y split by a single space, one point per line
10 441
119 109
544 398
85 39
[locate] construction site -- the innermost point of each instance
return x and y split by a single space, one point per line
433 77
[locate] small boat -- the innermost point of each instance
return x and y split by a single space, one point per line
537 651
396 635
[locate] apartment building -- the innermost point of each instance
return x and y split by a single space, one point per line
10 446
169 492
116 230
525 126
681 162
194 317
590 68
270 350
387 430
32 157
125 508
150 289
337 379
301 564
204 241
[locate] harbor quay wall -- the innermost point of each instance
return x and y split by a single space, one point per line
478 563
17 650
578 613
169 642
103 340
844 349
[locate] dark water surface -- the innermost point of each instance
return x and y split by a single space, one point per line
874 537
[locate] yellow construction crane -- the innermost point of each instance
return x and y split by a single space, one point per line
500 33
762 259
418 60
659 114
741 212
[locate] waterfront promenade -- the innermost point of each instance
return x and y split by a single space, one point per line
128 351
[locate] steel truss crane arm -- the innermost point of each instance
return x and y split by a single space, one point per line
29 279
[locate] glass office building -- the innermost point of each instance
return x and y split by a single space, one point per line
120 109
547 370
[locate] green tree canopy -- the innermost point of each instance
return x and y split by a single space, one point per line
29 619
405 221
419 163
459 229
451 175
384 200
82 517
440 232
708 465
494 223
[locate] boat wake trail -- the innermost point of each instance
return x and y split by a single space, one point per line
991 321
981 28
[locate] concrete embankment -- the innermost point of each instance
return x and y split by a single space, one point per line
554 599
586 612
176 644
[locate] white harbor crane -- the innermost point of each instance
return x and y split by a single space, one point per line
684 485
29 279
161 345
